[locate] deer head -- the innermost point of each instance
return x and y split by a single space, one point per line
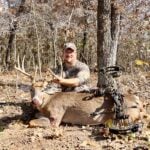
38 87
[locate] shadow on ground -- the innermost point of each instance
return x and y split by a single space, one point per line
28 112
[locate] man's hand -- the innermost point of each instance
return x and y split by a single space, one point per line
57 80
73 82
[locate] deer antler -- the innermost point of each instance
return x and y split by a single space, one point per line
61 65
52 73
22 70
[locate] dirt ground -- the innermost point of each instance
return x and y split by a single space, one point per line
15 112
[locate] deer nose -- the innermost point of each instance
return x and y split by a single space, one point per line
36 101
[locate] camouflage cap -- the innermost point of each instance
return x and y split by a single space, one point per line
71 46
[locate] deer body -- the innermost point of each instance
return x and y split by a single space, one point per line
72 108
75 108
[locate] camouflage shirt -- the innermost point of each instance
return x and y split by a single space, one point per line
80 71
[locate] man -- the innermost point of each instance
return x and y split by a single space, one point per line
75 73
75 78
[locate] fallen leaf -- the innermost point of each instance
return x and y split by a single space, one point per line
109 123
141 62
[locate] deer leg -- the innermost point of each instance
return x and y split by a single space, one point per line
56 116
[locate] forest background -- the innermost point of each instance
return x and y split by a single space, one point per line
38 29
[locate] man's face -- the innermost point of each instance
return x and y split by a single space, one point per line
69 56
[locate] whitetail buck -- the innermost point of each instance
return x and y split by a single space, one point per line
75 108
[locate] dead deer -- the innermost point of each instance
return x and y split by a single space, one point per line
75 108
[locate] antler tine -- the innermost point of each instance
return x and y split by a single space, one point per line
22 65
18 62
22 70
35 73
52 73
61 67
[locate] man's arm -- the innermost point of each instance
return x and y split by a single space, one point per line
72 82
82 77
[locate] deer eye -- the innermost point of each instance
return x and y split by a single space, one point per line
32 90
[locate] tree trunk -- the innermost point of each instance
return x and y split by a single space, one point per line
115 30
83 50
103 38
8 59
108 27
13 25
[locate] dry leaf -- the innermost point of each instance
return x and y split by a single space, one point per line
109 123
141 62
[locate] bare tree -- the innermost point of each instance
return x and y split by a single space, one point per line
12 30
115 30
13 26
103 38
26 32
108 19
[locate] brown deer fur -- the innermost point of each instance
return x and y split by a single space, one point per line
75 108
